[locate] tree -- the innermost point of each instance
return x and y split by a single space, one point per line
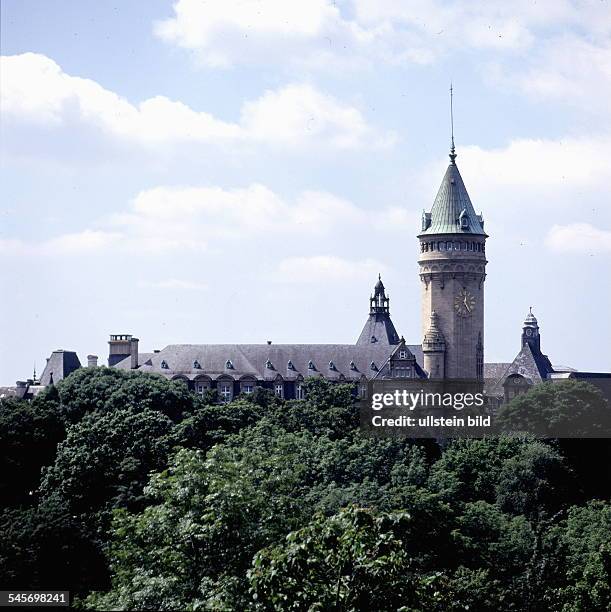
29 434
212 513
584 538
469 469
351 561
105 460
107 389
569 408
534 481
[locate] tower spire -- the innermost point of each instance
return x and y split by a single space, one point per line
452 148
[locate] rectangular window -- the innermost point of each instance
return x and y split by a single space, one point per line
299 392
279 390
226 392
363 390
201 388
247 388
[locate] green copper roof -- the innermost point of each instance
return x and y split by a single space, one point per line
452 211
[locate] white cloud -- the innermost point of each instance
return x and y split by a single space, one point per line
567 68
224 32
322 268
548 48
34 88
320 32
536 165
578 238
180 219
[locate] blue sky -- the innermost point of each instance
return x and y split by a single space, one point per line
240 170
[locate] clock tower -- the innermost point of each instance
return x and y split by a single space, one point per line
452 272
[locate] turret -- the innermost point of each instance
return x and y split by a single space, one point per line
530 332
379 328
434 349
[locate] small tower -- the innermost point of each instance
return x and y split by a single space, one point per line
530 332
379 303
379 328
452 270
434 349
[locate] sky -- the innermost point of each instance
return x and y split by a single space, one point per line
228 171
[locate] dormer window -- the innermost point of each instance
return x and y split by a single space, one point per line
332 366
373 339
373 366
353 366
229 365
196 365
311 365
289 365
269 365
164 365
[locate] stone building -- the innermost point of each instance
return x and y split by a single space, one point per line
452 264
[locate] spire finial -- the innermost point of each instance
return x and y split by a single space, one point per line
530 309
379 276
452 148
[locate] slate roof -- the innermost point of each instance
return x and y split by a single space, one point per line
451 200
532 365
251 360
126 364
59 365
379 329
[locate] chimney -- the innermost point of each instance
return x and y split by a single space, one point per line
92 361
133 351
119 348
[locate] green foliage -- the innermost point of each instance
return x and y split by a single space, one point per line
154 498
575 408
105 459
108 389
29 434
469 470
212 424
534 481
351 561
585 541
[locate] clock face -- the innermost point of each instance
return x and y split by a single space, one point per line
464 303
529 332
